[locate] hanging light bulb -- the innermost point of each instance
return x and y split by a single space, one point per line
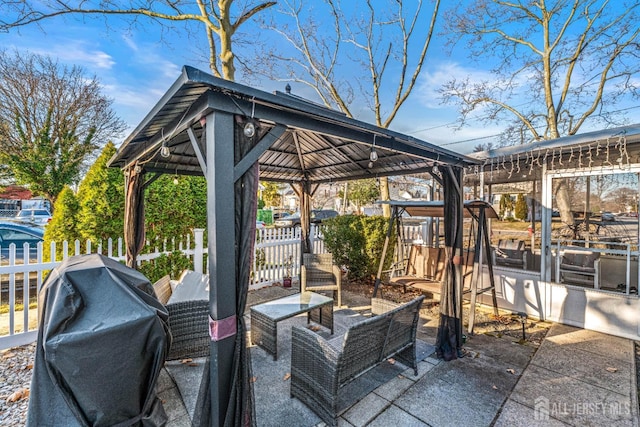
175 180
373 155
164 150
249 129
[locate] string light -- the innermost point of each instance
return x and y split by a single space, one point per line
580 159
164 150
512 166
560 157
373 154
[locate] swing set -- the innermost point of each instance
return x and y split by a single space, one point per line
422 264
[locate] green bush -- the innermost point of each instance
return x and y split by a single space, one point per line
63 223
173 265
356 242
100 213
521 208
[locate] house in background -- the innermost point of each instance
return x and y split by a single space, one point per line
13 198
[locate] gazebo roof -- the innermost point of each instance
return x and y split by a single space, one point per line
298 139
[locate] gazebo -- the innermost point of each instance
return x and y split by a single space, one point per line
234 135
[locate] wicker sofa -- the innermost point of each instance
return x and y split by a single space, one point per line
188 323
320 368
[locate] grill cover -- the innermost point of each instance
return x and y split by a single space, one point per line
102 340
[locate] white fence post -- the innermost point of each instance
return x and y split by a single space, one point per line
198 251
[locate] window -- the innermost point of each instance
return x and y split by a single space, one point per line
594 230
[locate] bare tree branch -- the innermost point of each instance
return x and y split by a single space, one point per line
53 120
564 60
216 19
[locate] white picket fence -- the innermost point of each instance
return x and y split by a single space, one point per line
276 255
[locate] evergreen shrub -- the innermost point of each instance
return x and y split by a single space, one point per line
356 242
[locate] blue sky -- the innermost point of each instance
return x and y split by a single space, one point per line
136 69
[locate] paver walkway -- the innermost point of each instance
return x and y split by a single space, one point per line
576 378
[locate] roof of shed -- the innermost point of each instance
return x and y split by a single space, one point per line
307 141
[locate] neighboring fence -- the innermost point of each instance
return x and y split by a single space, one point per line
22 277
276 255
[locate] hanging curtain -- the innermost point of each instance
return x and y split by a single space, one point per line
241 411
304 195
134 214
449 337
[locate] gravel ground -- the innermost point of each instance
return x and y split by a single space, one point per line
16 365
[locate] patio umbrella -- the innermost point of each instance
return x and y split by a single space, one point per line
102 340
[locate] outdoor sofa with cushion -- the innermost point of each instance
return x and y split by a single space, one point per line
320 367
579 267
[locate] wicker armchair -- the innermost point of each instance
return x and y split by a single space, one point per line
188 323
318 273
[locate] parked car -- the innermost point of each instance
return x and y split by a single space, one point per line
317 216
280 215
34 216
260 224
19 234
607 216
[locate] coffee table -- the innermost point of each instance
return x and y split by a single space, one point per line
265 317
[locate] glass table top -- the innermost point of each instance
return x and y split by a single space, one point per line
291 305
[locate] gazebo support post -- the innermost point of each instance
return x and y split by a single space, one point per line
221 260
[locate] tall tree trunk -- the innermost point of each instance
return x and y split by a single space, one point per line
384 195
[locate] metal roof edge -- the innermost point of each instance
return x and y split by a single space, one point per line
190 75
565 141
173 89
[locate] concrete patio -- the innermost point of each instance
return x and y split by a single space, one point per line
575 378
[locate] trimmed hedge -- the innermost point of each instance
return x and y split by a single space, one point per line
356 242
